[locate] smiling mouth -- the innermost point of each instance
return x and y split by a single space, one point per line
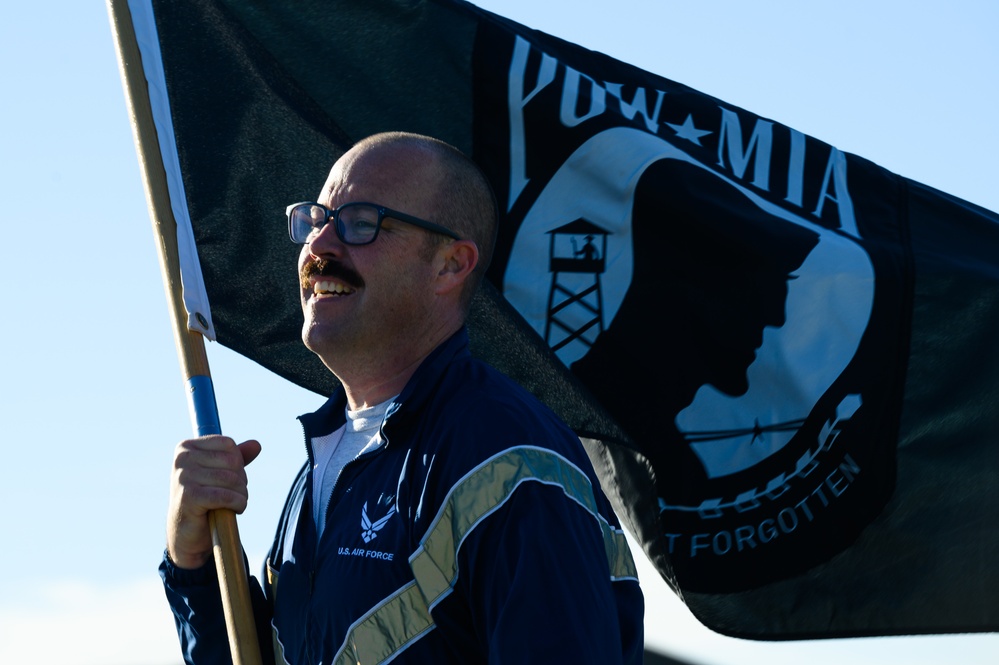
329 287
324 277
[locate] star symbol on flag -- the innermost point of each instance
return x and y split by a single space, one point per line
688 131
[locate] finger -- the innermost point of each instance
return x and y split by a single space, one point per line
198 500
194 477
249 450
209 474
210 451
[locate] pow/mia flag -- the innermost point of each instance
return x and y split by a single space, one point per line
780 357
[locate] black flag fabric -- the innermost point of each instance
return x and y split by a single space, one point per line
781 357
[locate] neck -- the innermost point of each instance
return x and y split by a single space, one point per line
363 392
373 378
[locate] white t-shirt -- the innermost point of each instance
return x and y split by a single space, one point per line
332 452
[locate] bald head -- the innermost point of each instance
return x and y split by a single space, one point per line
458 194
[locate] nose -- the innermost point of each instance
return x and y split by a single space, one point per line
326 242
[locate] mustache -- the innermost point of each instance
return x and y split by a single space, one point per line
323 268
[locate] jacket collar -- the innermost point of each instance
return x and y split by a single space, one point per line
421 386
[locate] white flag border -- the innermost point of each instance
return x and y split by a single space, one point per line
199 315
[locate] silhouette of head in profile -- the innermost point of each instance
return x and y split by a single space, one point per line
711 272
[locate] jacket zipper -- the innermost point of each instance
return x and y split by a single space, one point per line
384 443
329 504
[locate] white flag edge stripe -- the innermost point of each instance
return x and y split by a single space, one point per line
199 315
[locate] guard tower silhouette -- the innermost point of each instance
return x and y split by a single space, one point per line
574 295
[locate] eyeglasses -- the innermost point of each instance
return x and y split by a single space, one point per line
355 223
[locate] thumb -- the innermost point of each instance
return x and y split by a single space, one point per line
249 450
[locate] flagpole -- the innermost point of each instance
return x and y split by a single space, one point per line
226 547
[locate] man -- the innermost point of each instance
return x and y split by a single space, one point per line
444 515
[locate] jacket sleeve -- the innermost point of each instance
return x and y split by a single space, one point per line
538 583
196 603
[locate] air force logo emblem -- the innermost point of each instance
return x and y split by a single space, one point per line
369 529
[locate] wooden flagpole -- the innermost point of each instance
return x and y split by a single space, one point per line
190 345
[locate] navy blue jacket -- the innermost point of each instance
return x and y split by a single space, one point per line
477 532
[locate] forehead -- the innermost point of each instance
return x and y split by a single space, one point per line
392 176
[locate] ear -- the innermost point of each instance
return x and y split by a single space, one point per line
457 260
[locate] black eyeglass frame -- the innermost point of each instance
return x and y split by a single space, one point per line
383 212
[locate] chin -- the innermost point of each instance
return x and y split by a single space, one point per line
314 338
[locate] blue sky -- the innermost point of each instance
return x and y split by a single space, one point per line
92 401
